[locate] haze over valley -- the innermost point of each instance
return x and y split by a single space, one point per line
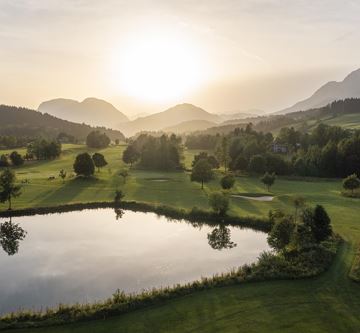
179 166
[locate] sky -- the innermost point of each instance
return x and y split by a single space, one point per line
145 56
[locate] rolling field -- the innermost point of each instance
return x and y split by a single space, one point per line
329 303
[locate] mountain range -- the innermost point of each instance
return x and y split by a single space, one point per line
92 111
184 118
171 117
329 92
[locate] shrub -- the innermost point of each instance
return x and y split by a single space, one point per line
281 233
4 163
227 182
219 202
16 159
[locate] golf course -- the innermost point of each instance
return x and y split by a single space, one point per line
327 303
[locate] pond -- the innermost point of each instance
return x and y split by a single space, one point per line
85 256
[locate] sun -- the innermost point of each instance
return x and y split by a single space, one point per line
157 68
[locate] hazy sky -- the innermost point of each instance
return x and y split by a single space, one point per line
223 55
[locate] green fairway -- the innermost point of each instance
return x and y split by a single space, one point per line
329 303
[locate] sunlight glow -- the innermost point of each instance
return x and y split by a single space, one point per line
157 68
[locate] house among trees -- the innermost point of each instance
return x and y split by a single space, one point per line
280 148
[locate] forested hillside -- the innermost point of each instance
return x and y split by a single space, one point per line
20 122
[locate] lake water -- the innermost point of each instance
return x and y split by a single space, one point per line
85 256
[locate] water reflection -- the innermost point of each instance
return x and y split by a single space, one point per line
85 256
220 238
10 236
119 213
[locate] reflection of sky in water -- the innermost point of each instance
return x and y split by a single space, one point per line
86 256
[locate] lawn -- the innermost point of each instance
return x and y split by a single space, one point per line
329 303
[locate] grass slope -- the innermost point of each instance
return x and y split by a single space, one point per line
329 303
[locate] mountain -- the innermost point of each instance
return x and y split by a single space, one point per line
25 122
170 117
242 114
90 111
190 126
331 91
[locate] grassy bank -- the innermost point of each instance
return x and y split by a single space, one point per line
328 303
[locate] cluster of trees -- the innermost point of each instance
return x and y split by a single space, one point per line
328 151
13 158
290 233
11 141
85 164
157 153
43 149
96 139
202 141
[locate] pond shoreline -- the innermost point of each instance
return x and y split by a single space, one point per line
194 215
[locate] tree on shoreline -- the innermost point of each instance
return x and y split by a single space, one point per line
219 202
8 189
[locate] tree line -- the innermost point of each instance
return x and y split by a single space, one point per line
328 151
156 153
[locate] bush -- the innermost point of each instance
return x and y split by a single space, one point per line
227 182
16 159
219 202
4 163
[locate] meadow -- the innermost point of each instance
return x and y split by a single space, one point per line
328 303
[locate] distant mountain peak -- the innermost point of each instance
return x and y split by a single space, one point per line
173 116
91 110
329 92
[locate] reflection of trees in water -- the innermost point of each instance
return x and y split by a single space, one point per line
118 213
220 238
10 236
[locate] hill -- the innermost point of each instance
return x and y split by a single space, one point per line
190 126
25 122
171 117
343 113
331 91
92 111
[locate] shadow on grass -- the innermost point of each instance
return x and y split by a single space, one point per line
69 190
